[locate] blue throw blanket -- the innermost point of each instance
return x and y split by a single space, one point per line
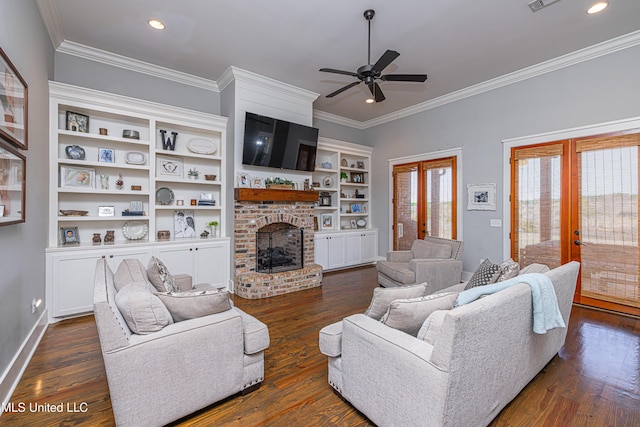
546 314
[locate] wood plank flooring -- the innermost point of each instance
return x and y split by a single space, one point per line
594 381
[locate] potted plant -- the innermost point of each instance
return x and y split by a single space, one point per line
343 177
279 183
214 228
193 173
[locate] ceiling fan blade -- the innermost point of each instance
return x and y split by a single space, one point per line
331 70
387 58
404 78
375 90
342 89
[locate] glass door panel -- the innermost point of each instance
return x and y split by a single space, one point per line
439 196
405 202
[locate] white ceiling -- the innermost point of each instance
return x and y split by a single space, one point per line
457 43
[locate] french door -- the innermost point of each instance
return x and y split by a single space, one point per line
424 201
577 200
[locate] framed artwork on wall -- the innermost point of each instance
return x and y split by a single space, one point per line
13 184
481 197
13 98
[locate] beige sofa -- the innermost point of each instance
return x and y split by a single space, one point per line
432 260
474 359
162 376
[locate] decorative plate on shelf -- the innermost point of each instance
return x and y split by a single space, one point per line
135 230
361 223
164 195
74 152
327 181
135 158
202 146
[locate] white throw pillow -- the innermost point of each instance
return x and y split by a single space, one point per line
383 296
141 309
408 315
192 304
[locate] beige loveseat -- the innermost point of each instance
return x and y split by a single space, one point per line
432 260
161 376
472 361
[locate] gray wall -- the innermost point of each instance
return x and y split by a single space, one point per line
601 90
22 266
339 132
107 78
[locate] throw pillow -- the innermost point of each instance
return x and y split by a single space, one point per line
141 309
422 249
408 315
383 296
535 268
160 277
189 305
130 270
508 270
485 274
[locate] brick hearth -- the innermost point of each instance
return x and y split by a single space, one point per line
261 210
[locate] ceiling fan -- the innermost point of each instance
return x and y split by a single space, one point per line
370 73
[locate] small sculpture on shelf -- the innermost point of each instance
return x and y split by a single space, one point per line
204 234
119 182
104 181
167 143
96 239
109 237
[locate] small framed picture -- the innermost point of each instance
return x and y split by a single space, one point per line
481 197
356 208
77 177
357 177
244 181
206 196
136 206
106 211
106 155
257 182
77 122
360 164
69 236
170 167
353 224
326 221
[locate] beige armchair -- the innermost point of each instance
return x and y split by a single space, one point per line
434 260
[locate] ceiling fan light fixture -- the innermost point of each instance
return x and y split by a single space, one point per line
369 100
156 24
597 7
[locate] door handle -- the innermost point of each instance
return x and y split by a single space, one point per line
577 242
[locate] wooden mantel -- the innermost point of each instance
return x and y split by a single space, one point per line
271 195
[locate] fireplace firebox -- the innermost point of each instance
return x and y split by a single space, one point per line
279 247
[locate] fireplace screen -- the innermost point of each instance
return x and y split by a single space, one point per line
279 248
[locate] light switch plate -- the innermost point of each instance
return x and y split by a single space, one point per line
496 223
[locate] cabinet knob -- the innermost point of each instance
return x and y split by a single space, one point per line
110 256
196 249
190 249
103 257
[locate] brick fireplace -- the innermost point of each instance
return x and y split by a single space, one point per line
258 210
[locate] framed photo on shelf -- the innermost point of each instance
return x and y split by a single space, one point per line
357 177
360 164
170 167
257 182
244 180
106 155
326 221
356 208
353 224
77 122
481 197
13 121
77 177
184 224
69 236
13 184
106 211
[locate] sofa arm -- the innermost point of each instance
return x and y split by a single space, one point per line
184 282
331 339
399 256
255 333
437 273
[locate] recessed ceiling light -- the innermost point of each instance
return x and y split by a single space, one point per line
154 23
598 7
370 100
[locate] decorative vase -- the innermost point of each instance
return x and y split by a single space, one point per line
104 182
96 239
109 237
119 182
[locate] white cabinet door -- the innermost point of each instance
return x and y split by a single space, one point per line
321 251
336 255
211 264
177 258
115 256
369 245
72 277
353 248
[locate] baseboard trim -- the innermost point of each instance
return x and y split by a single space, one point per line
13 373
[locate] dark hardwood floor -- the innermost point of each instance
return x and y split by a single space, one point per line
593 381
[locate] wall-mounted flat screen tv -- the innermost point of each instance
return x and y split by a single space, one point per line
278 144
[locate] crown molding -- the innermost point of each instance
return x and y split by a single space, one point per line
52 21
115 60
321 115
583 55
237 74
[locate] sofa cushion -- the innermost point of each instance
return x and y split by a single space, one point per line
141 309
160 277
192 304
508 270
535 268
485 274
408 315
427 250
398 271
130 270
382 297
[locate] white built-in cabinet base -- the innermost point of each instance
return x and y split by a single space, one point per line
71 271
342 249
